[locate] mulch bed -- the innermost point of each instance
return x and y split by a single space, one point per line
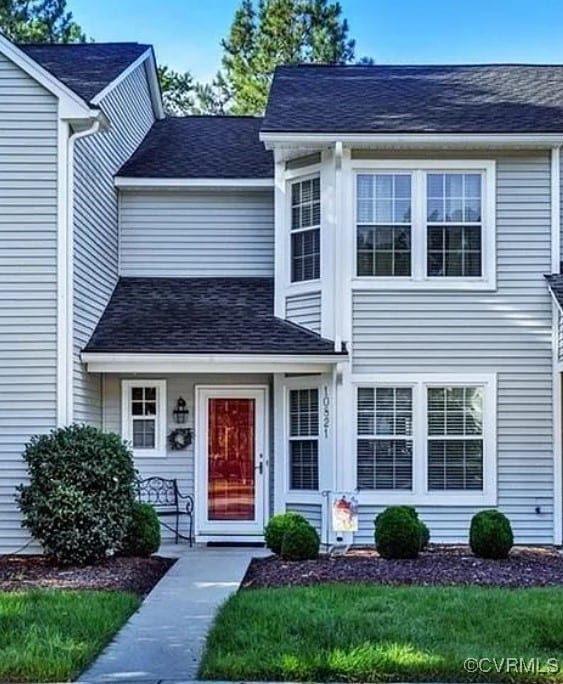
138 575
439 565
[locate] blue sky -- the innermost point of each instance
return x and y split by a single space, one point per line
187 33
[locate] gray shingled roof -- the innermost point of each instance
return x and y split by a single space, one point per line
201 147
555 283
416 99
199 315
86 68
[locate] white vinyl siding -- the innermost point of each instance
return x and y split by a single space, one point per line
507 332
305 310
174 464
97 159
28 294
197 233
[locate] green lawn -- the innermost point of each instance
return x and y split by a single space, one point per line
52 635
372 633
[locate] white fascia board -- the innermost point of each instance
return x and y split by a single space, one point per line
71 105
209 363
175 183
460 140
150 68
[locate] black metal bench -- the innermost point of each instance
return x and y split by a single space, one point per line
168 501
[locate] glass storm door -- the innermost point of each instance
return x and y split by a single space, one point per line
232 460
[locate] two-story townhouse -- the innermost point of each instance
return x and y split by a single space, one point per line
347 295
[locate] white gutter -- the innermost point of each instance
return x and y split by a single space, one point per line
128 183
498 140
65 267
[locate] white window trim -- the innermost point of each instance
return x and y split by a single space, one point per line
305 496
420 494
291 177
127 418
418 279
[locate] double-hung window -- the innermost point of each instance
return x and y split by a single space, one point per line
144 416
430 224
455 438
385 438
384 224
305 230
304 439
427 440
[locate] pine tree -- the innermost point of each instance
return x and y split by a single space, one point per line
39 21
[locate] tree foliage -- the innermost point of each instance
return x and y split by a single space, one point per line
39 21
274 32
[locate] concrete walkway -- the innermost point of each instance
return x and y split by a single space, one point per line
165 638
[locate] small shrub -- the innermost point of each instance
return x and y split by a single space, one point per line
143 533
277 527
397 533
80 494
490 535
424 531
300 542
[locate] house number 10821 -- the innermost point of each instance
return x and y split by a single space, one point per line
326 411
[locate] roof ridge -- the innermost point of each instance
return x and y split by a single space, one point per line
464 65
85 44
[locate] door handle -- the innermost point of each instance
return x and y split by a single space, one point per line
260 466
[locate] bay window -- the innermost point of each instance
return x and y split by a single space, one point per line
429 223
305 230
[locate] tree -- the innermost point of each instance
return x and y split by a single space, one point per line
177 90
39 21
275 32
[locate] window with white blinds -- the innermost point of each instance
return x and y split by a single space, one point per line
144 416
427 440
304 439
385 441
305 230
455 438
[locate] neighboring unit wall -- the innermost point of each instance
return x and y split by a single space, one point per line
305 310
507 332
28 294
97 159
176 464
197 233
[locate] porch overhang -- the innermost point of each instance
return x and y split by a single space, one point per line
99 362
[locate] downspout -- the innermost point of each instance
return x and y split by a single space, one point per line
556 375
65 271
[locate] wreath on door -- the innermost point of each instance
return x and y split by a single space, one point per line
179 439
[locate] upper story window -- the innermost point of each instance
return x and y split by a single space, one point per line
429 222
453 225
144 416
384 224
305 230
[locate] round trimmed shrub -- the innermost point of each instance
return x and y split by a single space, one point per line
300 542
424 531
490 534
397 533
143 534
80 495
277 527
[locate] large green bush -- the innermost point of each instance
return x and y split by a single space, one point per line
143 534
398 533
80 494
277 527
300 542
490 534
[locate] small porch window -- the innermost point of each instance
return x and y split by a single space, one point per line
144 416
